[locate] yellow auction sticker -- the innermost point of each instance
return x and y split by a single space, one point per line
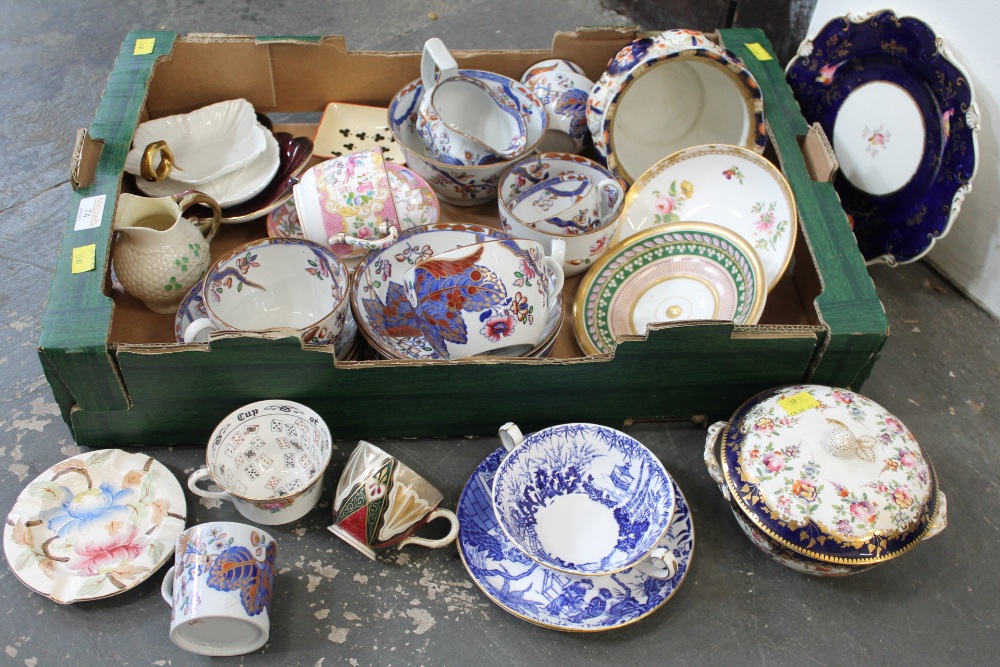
144 46
84 258
758 51
798 403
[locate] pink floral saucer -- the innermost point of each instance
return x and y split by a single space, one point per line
94 525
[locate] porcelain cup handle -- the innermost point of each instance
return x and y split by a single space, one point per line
167 587
389 236
713 463
199 475
510 436
940 520
444 541
608 205
555 261
154 173
189 198
660 564
194 331
436 57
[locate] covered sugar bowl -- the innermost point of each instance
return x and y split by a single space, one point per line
825 480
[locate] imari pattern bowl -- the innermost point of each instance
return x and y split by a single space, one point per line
673 273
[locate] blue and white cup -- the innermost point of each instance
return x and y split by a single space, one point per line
585 499
563 87
220 588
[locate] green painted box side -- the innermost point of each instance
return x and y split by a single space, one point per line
73 342
176 395
676 372
848 305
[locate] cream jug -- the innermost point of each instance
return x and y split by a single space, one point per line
159 255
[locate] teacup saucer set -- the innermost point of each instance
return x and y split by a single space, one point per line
649 184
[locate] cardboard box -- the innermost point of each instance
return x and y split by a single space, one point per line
120 380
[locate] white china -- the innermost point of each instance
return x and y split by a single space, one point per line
347 128
585 499
460 118
232 188
701 92
458 184
275 284
205 144
725 185
94 525
220 588
269 458
568 204
563 88
825 480
489 298
380 502
553 599
668 274
158 254
582 249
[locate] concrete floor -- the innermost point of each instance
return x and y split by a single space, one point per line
939 373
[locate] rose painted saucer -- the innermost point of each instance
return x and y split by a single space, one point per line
670 273
387 319
416 205
725 185
193 307
554 599
94 525
348 128
903 121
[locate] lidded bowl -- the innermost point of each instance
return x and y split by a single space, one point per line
825 480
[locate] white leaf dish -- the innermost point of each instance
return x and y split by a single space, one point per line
207 143
229 189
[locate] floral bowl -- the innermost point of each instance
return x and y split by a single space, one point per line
824 480
457 184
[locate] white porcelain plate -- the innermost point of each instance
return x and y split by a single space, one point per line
554 599
206 143
348 128
725 185
229 189
94 525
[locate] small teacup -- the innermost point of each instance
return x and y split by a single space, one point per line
276 283
585 499
219 589
487 298
563 88
380 502
269 457
568 203
460 119
347 203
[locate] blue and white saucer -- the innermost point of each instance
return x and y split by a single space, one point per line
554 599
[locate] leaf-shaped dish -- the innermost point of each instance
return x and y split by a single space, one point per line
94 525
206 143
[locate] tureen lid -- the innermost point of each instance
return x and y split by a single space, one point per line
829 473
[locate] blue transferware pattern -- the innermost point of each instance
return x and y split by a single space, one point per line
555 599
563 197
561 460
851 52
386 317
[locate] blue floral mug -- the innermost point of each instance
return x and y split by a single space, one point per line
219 588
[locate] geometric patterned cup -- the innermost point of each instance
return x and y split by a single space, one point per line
219 588
269 457
380 502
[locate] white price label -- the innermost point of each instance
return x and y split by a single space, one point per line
88 215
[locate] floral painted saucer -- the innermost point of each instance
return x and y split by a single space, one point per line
725 185
387 319
670 273
94 525
416 205
193 307
903 120
554 599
